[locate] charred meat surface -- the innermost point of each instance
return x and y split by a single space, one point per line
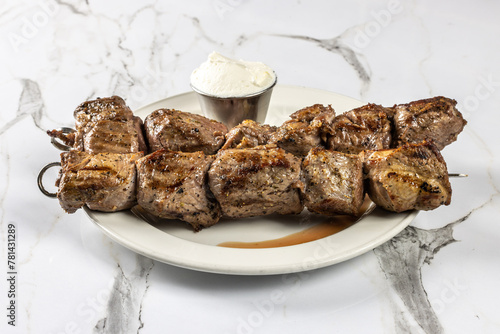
412 176
435 119
106 108
306 129
97 123
104 125
111 136
173 185
364 128
248 134
103 181
176 130
256 181
308 114
333 182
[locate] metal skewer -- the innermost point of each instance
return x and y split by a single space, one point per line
55 141
40 179
457 175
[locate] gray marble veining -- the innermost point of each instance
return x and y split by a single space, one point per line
30 104
401 259
336 45
124 310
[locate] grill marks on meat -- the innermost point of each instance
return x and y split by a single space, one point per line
107 125
248 134
173 185
175 130
435 119
103 181
104 125
333 182
364 128
111 136
412 176
306 129
256 181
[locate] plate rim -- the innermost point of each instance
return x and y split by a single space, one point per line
307 250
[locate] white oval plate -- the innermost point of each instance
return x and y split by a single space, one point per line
176 244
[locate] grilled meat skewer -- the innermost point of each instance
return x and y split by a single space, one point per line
238 183
245 179
108 125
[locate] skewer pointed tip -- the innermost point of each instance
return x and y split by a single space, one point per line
457 175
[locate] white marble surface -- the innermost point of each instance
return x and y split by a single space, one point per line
73 279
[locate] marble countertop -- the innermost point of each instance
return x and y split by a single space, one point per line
438 275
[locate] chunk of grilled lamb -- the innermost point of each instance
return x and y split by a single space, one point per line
173 185
306 129
364 128
106 108
256 181
333 182
103 181
435 119
104 125
412 176
176 130
111 136
248 134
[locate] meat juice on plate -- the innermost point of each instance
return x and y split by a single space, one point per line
324 229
